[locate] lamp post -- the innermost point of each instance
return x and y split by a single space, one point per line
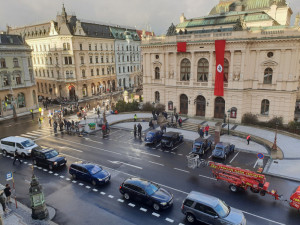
229 111
274 147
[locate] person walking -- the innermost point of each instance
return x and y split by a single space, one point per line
180 121
2 201
206 130
40 122
16 157
50 121
201 132
248 139
55 126
139 126
135 117
31 111
176 117
199 129
103 130
165 128
134 130
7 192
151 124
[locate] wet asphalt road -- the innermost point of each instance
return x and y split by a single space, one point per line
123 156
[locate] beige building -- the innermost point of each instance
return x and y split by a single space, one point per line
71 59
261 65
17 83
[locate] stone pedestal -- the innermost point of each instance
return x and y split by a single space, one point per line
218 128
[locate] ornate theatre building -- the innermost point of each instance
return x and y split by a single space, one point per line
241 58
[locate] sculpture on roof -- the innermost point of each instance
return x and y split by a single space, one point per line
240 25
172 30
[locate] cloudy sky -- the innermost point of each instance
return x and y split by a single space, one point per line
156 15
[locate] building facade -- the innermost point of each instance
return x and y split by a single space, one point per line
17 84
261 62
127 54
71 59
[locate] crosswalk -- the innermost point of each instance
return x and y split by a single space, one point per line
40 133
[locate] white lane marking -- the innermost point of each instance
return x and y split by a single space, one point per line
210 156
45 170
155 214
39 132
143 209
56 174
111 196
169 220
181 224
177 146
43 137
182 170
80 184
118 162
255 163
28 136
179 154
234 157
87 187
167 151
68 179
156 163
260 217
173 153
50 172
120 200
74 181
62 176
73 149
40 168
207 177
29 164
95 190
132 205
25 162
146 153
98 142
102 193
33 134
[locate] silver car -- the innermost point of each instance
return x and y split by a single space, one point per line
210 210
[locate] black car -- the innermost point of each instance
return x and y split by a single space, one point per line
146 192
201 146
222 150
170 139
48 158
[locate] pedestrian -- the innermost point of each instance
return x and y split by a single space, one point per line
134 130
7 192
203 132
176 117
16 157
61 124
50 121
151 124
103 130
139 126
180 121
162 128
199 129
2 201
55 126
107 127
206 130
98 112
153 113
40 122
31 111
135 117
248 139
172 118
166 115
165 128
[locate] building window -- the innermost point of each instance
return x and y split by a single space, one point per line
157 97
98 72
83 73
38 86
157 56
90 47
68 60
18 79
119 69
71 73
48 74
265 105
21 100
64 46
112 59
103 71
84 90
68 46
5 80
80 47
81 59
102 60
97 60
56 59
92 72
52 74
268 76
123 69
67 74
16 62
270 54
157 73
112 70
107 60
91 59
226 69
202 73
50 59
95 47
185 70
108 71
46 89
8 102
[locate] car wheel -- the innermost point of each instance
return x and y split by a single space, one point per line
4 153
94 182
74 176
126 196
23 155
190 218
34 162
50 167
254 190
233 188
156 207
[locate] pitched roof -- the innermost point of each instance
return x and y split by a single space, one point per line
8 39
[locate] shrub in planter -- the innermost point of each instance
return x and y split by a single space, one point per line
148 107
275 120
122 106
160 107
249 118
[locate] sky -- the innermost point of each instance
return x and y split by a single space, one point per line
154 15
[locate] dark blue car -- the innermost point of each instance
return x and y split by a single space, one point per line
201 146
153 137
222 150
89 172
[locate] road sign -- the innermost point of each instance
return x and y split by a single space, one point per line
260 156
9 176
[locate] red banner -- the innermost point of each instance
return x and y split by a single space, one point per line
181 46
219 80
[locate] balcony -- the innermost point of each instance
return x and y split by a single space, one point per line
182 83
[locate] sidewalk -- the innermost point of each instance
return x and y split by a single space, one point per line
22 215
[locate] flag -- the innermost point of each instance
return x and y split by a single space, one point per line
219 80
181 46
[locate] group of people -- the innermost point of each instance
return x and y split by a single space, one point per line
137 129
5 200
65 125
203 130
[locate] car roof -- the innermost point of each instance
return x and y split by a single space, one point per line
203 198
84 164
137 181
198 140
15 139
44 150
222 143
153 131
170 134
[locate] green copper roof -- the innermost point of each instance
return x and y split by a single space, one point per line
123 34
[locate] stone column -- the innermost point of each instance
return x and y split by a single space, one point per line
257 65
211 68
166 74
193 75
281 64
175 67
231 65
243 65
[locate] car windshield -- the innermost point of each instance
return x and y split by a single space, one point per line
167 138
219 150
222 209
151 189
149 135
27 143
197 146
95 169
51 154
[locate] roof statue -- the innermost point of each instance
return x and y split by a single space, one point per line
172 30
239 26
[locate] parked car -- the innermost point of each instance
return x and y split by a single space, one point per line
21 144
170 139
89 172
201 146
210 210
146 192
222 150
153 137
49 158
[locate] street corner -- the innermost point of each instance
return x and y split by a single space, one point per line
286 168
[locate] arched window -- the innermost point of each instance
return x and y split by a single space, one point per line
226 69
18 79
120 82
42 88
98 72
64 46
2 63
71 73
38 86
67 74
83 73
157 97
46 89
185 70
16 62
157 73
21 100
268 76
8 102
265 105
93 89
202 73
84 90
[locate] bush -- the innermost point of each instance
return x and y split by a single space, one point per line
275 121
160 108
148 107
249 118
122 106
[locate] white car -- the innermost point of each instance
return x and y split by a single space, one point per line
21 144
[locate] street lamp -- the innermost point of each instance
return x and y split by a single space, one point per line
274 147
229 111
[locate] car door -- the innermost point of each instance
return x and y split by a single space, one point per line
20 148
211 216
85 174
42 159
140 194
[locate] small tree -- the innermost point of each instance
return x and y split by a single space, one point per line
160 107
249 118
148 107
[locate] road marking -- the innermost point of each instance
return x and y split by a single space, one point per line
118 162
80 184
143 209
102 193
120 200
74 181
210 156
45 170
33 134
207 177
182 170
155 214
28 136
169 220
132 205
39 168
87 187
68 179
111 196
263 218
98 142
29 164
150 154
43 137
25 162
50 172
95 190
177 146
181 224
73 149
255 163
156 163
173 153
234 157
179 154
56 174
62 176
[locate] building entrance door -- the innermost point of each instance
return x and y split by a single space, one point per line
184 104
201 104
72 93
219 108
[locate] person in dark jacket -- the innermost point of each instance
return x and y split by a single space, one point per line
7 192
16 157
134 130
176 117
139 126
2 201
